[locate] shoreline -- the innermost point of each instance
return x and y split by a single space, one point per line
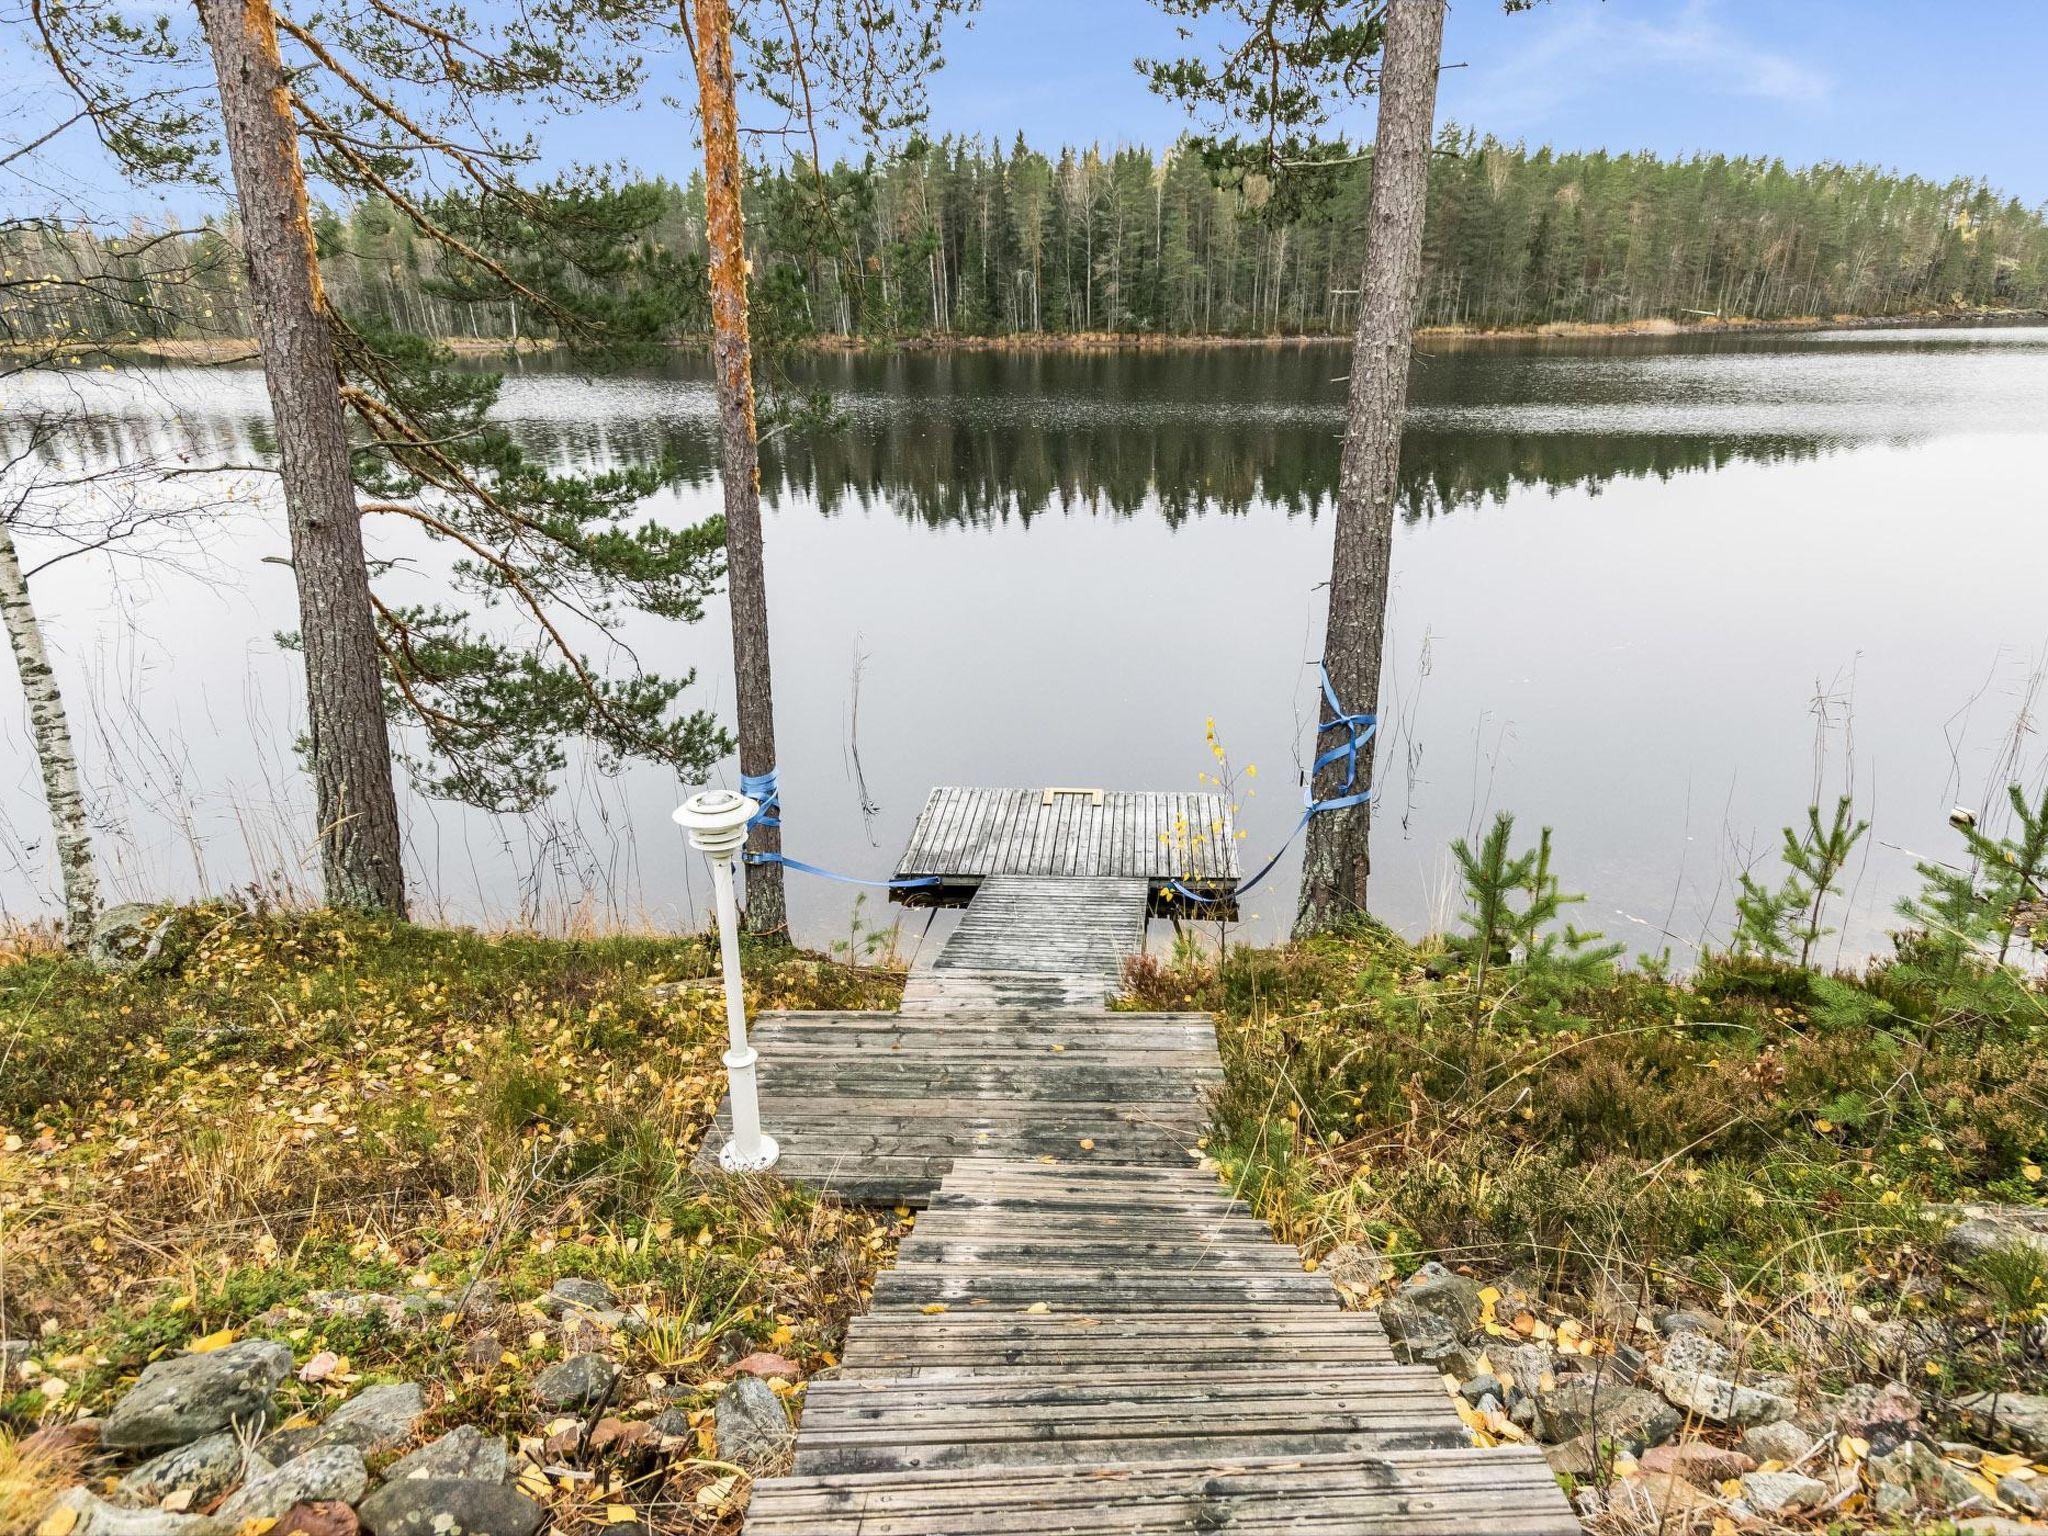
225 351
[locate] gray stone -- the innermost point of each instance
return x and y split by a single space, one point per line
1684 1320
176 1401
670 1423
1719 1399
330 1472
1529 1368
450 1506
584 1295
1780 1440
1892 1500
207 1468
2029 1498
1429 1315
1914 1466
1357 1266
96 1517
576 1382
12 1353
752 1425
1991 1228
1625 1417
1695 1353
375 1419
135 937
1778 1493
464 1452
1578 1458
1481 1386
1995 1525
2020 1418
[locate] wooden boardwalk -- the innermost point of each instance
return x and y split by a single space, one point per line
1085 1335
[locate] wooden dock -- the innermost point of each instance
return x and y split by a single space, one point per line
965 836
1085 1335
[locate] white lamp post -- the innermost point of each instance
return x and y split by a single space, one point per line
716 820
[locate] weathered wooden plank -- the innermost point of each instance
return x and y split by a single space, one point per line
967 834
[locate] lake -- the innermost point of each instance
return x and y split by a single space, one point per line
1659 595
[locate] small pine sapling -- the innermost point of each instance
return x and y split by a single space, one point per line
1785 924
1511 902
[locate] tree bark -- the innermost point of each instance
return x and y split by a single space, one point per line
51 731
732 364
1337 862
350 743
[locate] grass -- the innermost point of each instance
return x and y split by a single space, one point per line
1714 1143
306 1102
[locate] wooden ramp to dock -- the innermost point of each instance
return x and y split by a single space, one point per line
1085 1335
1035 942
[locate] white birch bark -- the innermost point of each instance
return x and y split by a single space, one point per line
51 731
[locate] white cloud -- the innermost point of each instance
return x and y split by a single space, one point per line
1579 49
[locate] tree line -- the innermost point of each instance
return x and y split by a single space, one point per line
959 237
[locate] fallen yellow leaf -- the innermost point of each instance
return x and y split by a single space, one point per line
212 1341
58 1522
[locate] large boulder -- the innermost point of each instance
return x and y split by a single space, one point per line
331 1472
176 1401
138 938
450 1506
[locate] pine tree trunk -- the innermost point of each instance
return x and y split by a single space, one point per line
732 363
350 743
51 731
1336 863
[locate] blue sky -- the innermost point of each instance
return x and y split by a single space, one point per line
1925 86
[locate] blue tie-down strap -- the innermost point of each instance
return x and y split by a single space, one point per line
1358 730
762 787
811 869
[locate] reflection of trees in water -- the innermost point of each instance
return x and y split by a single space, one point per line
968 468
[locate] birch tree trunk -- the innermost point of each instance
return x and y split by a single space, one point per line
51 731
350 743
732 364
1336 863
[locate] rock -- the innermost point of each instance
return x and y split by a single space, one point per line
670 1423
2029 1498
576 1382
1694 1353
1482 1386
1427 1317
1627 1365
2020 1418
765 1363
465 1452
1915 1467
1893 1500
1778 1493
1684 1320
375 1419
752 1425
484 1352
207 1468
1671 1499
12 1353
1356 1267
95 1517
1780 1440
585 1295
176 1401
443 1506
1886 1416
322 1517
328 1472
1994 1525
1626 1417
1707 1466
1719 1399
1530 1369
136 937
1986 1229
1578 1458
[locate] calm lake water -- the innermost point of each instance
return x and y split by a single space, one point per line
1658 595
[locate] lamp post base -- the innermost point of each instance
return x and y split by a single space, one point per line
732 1160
